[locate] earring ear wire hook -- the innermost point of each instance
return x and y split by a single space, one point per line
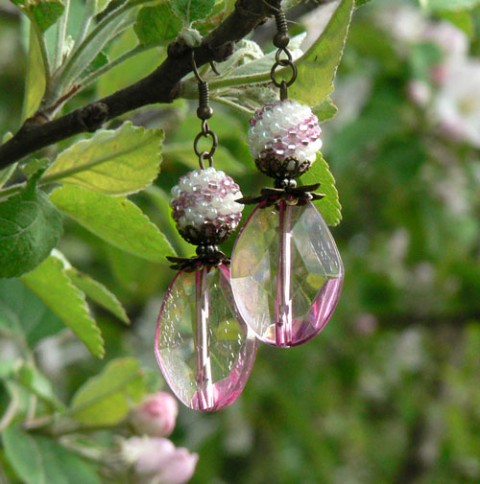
196 72
204 112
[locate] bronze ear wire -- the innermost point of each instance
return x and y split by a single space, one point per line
204 112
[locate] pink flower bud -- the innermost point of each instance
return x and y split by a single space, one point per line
156 415
158 460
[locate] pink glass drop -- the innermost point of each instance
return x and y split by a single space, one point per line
203 347
286 273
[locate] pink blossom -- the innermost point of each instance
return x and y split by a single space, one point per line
157 461
156 415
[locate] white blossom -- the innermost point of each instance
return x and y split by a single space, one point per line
456 107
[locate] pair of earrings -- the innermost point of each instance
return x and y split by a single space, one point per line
285 275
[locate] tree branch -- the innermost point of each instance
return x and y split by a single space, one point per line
161 86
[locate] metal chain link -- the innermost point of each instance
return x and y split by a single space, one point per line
283 57
204 112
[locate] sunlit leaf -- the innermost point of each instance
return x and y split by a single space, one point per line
106 398
317 68
329 206
50 282
97 292
325 110
115 162
116 220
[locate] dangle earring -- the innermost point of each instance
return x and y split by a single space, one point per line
286 271
203 347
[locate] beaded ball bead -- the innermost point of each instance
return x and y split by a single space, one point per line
204 206
284 138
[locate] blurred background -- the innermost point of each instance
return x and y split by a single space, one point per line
389 392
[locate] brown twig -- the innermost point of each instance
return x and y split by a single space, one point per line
161 86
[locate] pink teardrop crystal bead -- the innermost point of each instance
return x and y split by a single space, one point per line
286 273
203 347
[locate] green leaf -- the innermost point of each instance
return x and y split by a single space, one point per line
36 81
161 202
34 165
191 10
108 27
22 313
329 206
248 64
156 25
24 455
30 227
462 19
97 292
131 69
438 5
41 460
317 68
116 220
325 110
6 173
43 12
138 277
31 378
115 162
99 61
106 398
224 160
51 284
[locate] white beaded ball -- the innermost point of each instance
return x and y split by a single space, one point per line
284 138
204 206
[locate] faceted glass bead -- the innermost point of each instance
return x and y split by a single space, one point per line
203 347
286 273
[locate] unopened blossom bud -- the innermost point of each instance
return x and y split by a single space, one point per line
156 415
157 460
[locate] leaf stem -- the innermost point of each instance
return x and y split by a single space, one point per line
61 35
12 408
73 66
231 104
44 53
94 455
86 21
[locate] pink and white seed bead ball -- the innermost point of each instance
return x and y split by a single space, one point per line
284 138
204 206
